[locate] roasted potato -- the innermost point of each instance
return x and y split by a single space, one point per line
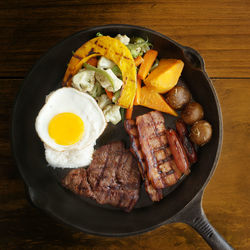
192 113
201 132
178 96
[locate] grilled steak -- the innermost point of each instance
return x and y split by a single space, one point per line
112 177
161 168
154 194
76 181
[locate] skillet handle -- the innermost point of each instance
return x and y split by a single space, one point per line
193 58
194 216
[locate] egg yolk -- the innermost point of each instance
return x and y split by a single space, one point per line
66 128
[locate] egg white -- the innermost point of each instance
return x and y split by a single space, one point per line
72 101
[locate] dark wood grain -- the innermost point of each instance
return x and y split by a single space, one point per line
219 30
226 199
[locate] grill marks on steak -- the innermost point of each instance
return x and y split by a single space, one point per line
112 177
76 181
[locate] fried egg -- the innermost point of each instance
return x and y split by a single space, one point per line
69 120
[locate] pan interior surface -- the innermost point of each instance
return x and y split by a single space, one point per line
44 182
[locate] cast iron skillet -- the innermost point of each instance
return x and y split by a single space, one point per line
182 202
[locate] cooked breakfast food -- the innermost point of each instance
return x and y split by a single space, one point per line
161 167
178 151
115 51
178 96
69 158
165 76
187 144
155 194
201 132
105 77
161 156
192 113
106 67
112 177
69 124
151 99
66 116
135 147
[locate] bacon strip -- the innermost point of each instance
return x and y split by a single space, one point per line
131 129
161 168
154 194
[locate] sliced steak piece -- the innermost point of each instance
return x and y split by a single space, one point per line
112 177
76 181
161 168
101 169
130 127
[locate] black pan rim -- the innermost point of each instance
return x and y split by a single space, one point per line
96 28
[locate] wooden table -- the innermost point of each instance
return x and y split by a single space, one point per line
219 30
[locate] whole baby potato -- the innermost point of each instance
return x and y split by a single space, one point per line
178 96
192 113
201 132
